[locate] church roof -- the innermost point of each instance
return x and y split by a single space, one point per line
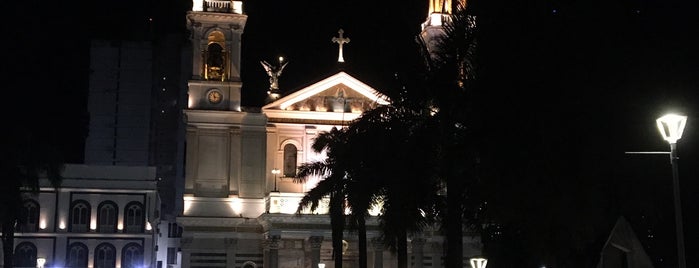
339 97
623 247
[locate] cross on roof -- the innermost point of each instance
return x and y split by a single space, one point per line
340 41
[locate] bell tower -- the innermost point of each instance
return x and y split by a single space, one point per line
225 145
439 12
216 28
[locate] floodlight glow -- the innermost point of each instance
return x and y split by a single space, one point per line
40 262
671 127
42 224
436 19
321 265
478 262
197 5
62 225
93 225
236 206
238 7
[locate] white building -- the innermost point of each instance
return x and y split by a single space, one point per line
101 216
237 212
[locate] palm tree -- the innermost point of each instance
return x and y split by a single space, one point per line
334 176
450 73
390 154
30 153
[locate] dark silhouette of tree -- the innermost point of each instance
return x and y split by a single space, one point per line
28 154
334 174
403 155
449 88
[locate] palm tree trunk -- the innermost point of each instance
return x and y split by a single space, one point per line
455 247
455 189
337 223
362 243
8 242
402 249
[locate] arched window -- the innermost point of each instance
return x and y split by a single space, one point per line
105 256
215 57
132 256
133 217
249 264
79 216
25 255
77 255
107 217
29 217
290 152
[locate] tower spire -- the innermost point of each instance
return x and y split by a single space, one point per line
439 13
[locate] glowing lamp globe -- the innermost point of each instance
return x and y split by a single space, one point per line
671 127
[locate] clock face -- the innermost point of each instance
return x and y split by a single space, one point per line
215 96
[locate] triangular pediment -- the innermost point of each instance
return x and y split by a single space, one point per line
338 97
623 247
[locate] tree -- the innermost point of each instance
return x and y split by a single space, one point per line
449 87
28 154
393 154
334 175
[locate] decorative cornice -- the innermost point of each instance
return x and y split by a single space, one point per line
234 223
271 221
235 22
224 118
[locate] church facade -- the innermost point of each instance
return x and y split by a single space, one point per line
239 199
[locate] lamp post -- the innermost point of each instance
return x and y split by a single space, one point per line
275 171
478 262
40 262
671 127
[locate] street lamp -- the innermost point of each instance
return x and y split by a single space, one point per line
40 262
671 127
478 262
275 171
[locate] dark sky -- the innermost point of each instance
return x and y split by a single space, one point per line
574 83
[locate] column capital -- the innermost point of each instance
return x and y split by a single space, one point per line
230 241
377 244
419 242
315 241
272 242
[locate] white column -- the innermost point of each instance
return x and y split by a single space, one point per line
316 242
272 246
378 247
418 244
230 251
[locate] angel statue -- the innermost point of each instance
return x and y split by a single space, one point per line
274 73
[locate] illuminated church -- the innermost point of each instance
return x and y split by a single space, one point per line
239 198
236 205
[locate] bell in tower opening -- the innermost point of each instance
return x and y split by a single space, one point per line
215 58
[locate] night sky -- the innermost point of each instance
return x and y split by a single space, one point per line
564 86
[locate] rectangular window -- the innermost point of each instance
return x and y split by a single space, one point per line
171 255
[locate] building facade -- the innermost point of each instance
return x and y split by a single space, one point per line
236 205
239 197
100 216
